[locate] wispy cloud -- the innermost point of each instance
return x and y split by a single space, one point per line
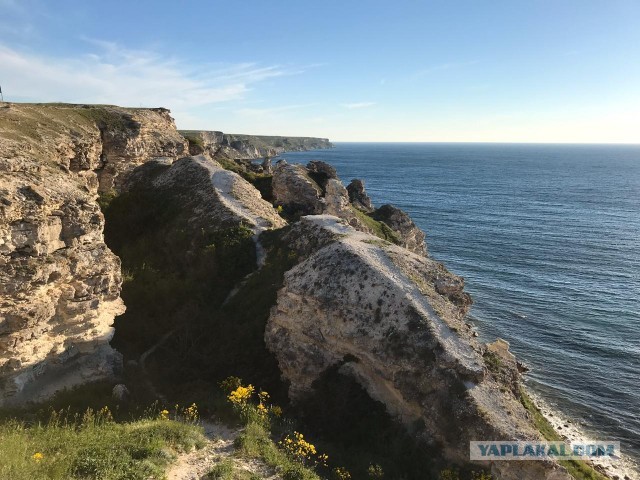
356 105
112 74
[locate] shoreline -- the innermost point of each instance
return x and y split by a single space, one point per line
623 469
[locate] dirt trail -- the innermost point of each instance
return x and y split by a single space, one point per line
196 464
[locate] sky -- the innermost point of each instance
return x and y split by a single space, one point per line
350 70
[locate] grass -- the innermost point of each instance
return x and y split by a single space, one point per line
379 229
255 442
115 120
226 470
193 138
92 446
580 470
492 361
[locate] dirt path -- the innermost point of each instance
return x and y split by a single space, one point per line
196 464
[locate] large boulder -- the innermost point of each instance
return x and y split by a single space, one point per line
375 311
212 195
358 196
321 172
295 190
316 190
411 237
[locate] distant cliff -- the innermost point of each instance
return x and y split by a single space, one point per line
249 146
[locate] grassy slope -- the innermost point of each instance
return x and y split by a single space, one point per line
579 469
92 447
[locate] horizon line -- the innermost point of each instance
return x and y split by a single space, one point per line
483 142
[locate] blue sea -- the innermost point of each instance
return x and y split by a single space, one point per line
548 240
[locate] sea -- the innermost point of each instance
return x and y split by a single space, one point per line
547 238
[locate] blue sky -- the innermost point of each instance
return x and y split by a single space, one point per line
512 71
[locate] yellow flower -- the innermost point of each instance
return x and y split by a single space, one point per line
276 410
342 473
241 395
298 448
37 456
191 413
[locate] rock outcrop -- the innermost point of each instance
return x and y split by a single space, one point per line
295 190
316 189
393 321
412 238
215 197
59 283
358 196
140 136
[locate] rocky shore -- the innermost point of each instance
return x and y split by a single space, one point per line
357 294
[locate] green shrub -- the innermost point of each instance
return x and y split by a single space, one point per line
223 470
379 229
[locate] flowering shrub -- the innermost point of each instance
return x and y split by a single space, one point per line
341 473
297 456
191 413
302 451
241 395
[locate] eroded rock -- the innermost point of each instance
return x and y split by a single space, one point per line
59 283
358 196
410 235
375 311
295 190
212 195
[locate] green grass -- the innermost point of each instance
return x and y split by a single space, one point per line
492 361
114 119
92 446
193 138
578 469
255 442
379 229
225 470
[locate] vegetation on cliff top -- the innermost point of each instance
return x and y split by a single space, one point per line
93 446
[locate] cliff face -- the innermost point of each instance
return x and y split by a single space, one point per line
393 321
249 146
59 283
356 289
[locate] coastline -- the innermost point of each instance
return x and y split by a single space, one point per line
623 469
